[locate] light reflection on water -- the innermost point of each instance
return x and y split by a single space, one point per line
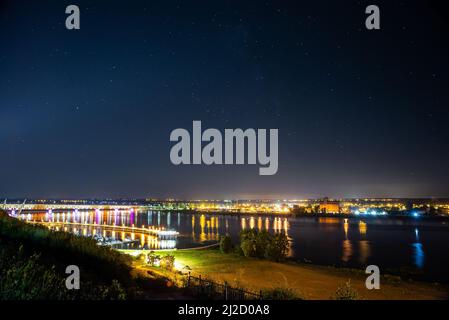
352 242
347 251
418 254
364 251
418 251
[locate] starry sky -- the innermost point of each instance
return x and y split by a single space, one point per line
88 113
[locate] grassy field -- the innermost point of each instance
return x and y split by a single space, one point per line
307 281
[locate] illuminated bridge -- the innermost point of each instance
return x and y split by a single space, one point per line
59 206
162 234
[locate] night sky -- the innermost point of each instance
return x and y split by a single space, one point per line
88 113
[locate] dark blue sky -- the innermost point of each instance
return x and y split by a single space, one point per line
88 113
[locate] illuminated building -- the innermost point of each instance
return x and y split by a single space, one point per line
329 207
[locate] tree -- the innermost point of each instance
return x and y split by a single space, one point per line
263 239
248 242
153 258
248 235
168 262
264 245
277 249
248 247
225 244
113 292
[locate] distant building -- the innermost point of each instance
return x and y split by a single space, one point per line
329 206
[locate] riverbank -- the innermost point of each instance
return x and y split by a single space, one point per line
33 262
309 282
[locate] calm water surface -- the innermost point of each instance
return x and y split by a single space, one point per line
417 245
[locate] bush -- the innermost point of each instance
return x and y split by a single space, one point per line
248 248
249 234
279 294
153 258
225 244
24 278
346 292
168 262
113 292
238 250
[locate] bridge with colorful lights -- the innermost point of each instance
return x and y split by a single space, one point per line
159 232
58 206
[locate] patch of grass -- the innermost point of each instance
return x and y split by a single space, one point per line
304 280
